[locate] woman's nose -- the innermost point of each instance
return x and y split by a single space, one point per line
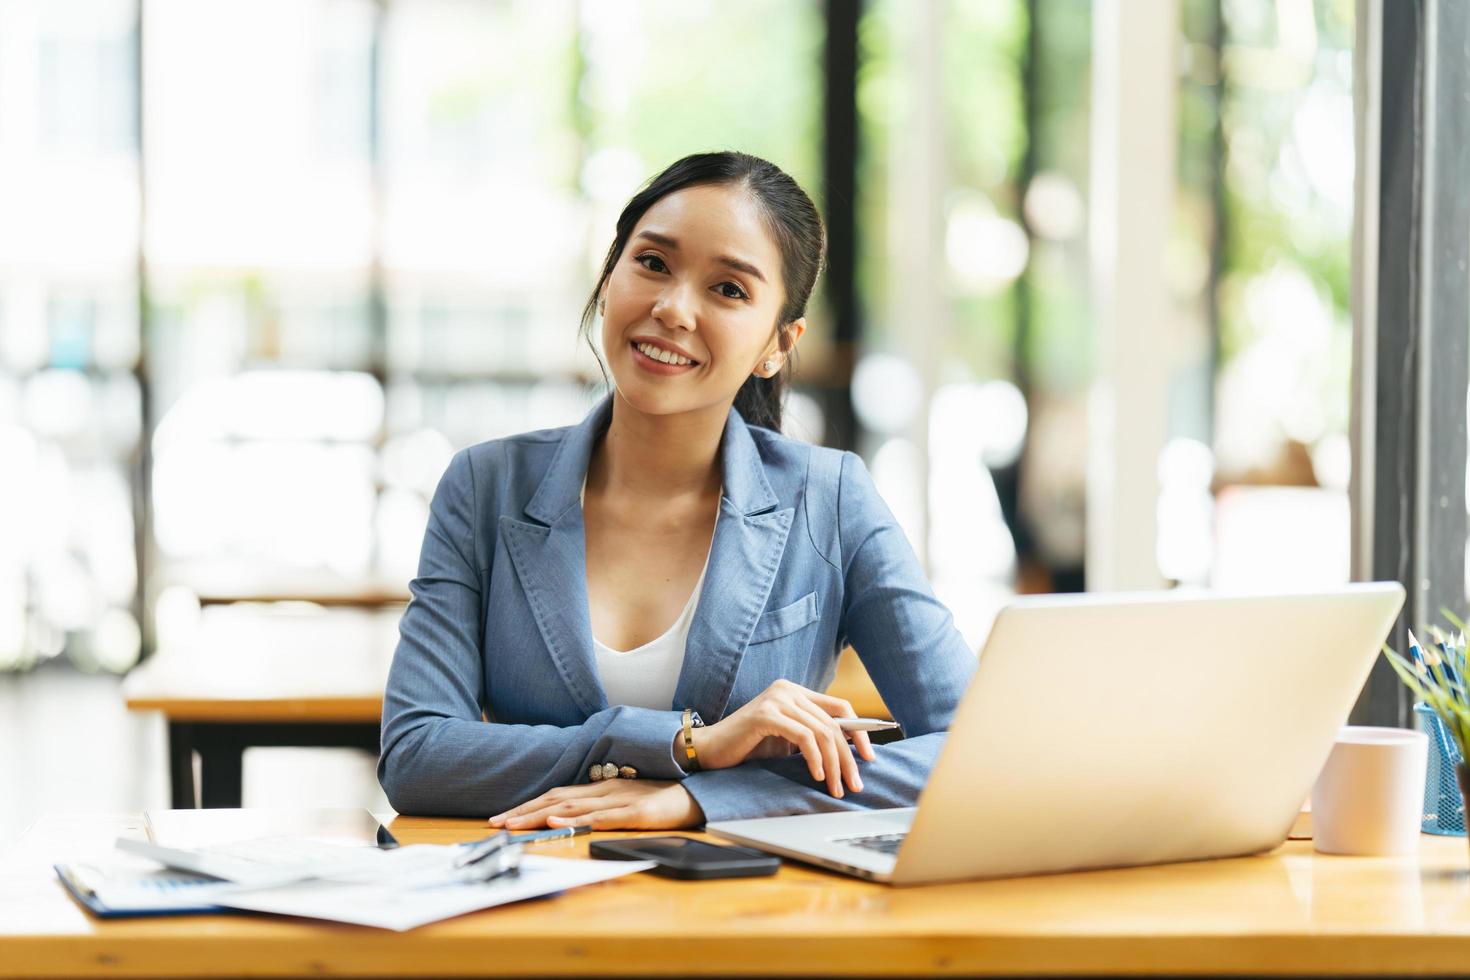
675 308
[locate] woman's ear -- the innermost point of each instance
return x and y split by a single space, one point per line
785 341
794 330
782 347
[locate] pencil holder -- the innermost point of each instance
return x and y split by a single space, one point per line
1444 806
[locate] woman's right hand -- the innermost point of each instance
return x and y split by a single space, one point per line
803 718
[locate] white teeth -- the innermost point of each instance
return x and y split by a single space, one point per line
659 354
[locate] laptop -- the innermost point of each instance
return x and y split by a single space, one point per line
1104 731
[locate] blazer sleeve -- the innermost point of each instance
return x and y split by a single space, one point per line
906 639
438 756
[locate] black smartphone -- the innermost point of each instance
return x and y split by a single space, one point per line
688 857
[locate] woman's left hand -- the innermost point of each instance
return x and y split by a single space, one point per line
612 804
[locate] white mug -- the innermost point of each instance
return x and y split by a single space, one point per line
1370 795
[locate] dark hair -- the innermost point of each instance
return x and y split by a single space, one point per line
793 221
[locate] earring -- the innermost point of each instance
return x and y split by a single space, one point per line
769 367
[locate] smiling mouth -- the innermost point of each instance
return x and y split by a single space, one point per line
637 349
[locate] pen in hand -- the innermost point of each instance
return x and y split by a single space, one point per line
865 724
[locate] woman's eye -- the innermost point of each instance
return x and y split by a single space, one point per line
653 263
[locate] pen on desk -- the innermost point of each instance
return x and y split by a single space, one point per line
552 834
865 724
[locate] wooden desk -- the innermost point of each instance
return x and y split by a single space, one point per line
1292 912
256 676
221 730
346 598
224 582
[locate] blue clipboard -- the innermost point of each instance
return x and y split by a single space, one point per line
166 886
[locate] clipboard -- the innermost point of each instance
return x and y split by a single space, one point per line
161 893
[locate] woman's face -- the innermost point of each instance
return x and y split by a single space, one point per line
698 281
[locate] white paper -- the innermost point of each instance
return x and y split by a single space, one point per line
269 862
218 866
388 907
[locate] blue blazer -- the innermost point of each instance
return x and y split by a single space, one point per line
806 559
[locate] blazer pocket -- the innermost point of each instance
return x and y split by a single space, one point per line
787 619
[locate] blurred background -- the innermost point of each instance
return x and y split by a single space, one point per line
264 266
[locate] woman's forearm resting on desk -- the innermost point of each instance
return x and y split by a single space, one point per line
454 767
756 788
516 769
440 766
757 730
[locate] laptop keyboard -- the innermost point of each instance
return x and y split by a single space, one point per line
882 843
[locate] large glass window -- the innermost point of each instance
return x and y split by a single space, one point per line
1255 479
972 269
260 245
70 403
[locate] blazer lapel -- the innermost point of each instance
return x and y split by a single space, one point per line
550 559
750 538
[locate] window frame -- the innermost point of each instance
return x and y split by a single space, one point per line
1411 319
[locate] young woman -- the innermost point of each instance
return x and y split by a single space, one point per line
629 622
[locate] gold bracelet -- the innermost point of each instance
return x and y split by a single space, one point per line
692 762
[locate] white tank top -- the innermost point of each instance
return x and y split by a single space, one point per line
645 677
